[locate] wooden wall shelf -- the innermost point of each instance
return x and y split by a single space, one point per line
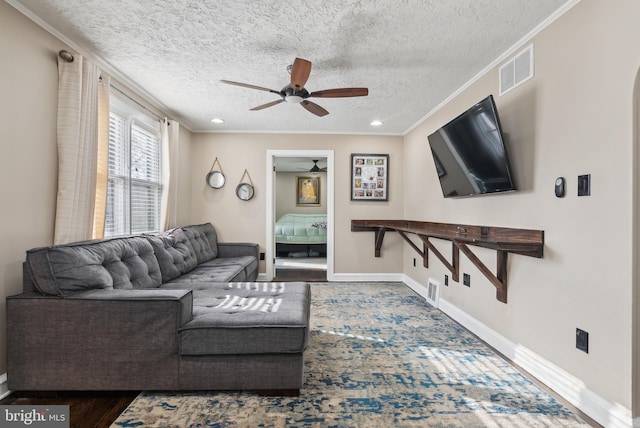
504 240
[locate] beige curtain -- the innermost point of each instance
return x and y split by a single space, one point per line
78 147
165 171
170 180
102 164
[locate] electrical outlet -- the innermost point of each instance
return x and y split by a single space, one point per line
582 340
446 280
261 256
466 279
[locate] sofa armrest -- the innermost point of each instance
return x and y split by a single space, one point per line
100 339
235 249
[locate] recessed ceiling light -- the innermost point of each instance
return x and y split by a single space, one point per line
217 120
376 123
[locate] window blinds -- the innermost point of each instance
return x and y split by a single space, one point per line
134 184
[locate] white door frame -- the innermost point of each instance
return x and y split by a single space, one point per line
271 208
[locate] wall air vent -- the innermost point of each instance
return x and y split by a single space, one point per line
517 71
433 292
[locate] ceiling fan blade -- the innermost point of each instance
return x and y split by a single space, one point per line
314 108
300 72
246 85
340 93
263 106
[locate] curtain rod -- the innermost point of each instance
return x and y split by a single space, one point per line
138 103
67 56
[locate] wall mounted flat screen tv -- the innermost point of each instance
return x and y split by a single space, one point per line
470 154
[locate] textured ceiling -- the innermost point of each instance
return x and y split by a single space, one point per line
411 54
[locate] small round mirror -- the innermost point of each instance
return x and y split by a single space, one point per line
244 191
215 179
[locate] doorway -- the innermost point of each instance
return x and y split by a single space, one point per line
300 199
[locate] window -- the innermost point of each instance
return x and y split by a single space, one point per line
134 184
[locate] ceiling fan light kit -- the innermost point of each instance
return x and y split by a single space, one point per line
296 93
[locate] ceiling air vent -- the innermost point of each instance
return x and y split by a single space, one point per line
516 71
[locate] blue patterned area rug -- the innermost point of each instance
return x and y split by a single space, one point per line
379 355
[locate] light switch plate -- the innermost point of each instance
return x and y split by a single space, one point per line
582 340
584 185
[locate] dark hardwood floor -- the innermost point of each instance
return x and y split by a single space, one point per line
290 275
88 409
98 409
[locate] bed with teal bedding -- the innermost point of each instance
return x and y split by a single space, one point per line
298 233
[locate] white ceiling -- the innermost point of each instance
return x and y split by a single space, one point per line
411 54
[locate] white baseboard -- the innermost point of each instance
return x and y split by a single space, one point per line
364 277
4 390
354 277
566 385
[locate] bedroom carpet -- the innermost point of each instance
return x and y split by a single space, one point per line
379 355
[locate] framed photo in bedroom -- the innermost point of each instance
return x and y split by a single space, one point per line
369 177
308 191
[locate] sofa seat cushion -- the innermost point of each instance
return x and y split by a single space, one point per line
247 318
248 264
227 269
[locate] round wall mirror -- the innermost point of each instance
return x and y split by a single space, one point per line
244 191
216 179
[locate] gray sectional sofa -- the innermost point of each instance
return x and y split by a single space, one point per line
175 311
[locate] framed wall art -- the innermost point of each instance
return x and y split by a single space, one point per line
308 191
369 177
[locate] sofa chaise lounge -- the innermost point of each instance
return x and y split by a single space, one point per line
174 311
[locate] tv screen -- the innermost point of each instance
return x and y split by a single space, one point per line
470 155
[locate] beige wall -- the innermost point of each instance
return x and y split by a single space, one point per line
285 188
245 221
28 165
575 117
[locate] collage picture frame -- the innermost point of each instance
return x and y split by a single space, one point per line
369 177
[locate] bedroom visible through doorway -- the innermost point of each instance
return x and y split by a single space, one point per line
300 228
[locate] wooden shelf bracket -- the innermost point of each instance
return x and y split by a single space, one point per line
525 242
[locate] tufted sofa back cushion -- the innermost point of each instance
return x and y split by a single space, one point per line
120 263
204 241
174 253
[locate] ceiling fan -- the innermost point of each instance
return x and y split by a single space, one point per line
295 91
315 167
